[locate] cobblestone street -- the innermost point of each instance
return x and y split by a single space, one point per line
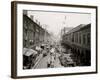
43 62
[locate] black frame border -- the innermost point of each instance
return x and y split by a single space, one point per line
14 38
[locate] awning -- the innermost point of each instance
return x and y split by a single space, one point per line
28 52
25 50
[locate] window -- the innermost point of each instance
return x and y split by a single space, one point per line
88 39
80 39
73 38
84 40
76 37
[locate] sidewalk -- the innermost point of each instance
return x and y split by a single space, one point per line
38 60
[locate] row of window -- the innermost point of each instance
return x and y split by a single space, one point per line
32 32
79 38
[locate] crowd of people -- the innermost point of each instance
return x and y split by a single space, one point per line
52 51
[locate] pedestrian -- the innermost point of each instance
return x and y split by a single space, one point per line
48 62
52 61
52 55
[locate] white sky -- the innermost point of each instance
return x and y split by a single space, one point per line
55 20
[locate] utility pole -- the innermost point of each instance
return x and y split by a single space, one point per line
45 26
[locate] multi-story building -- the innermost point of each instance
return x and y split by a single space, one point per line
79 41
33 33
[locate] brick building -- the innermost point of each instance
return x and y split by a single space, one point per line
33 33
79 41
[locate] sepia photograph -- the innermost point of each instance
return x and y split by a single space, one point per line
56 39
53 39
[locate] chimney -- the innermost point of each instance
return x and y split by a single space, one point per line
32 17
25 12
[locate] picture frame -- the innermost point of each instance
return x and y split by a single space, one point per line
42 16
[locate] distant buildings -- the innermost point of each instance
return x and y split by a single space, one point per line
65 30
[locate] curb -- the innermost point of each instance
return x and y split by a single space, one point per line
40 57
